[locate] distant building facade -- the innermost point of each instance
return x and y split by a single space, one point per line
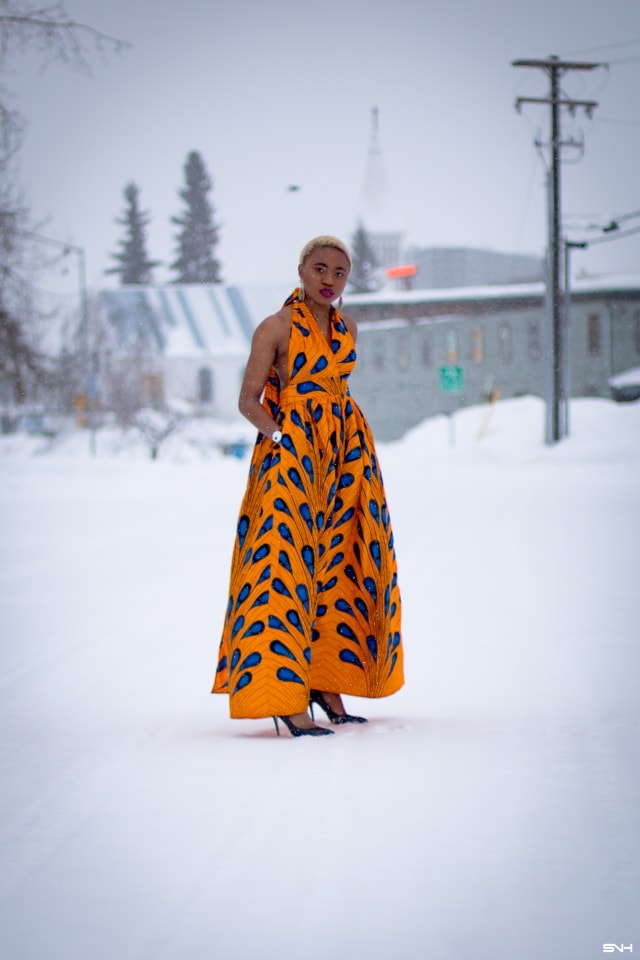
452 267
424 352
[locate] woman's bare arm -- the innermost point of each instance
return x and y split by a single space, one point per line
267 345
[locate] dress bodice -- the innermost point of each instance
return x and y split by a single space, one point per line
316 365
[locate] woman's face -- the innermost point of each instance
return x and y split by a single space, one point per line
324 273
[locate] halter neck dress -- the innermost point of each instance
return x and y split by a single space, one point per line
314 601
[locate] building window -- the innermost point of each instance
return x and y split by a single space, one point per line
505 342
205 385
533 337
153 390
478 345
378 354
426 350
452 346
403 351
636 330
594 336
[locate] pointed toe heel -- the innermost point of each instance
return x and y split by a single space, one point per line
296 731
316 696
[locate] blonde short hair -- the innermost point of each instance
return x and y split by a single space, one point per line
324 241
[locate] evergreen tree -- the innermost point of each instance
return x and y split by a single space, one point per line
133 264
198 236
362 278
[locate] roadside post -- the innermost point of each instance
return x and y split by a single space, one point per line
451 384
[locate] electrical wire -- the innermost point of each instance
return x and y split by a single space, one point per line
524 216
625 123
613 236
606 46
627 216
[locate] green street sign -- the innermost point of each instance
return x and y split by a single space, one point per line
451 379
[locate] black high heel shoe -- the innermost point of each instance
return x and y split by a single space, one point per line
300 731
315 696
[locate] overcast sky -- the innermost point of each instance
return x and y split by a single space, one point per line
281 92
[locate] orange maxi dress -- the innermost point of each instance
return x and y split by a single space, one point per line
314 601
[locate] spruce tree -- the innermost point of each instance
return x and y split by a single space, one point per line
134 265
198 236
362 278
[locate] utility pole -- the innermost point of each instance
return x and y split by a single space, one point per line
555 68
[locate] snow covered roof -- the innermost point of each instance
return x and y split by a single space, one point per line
185 320
397 323
606 284
192 319
630 378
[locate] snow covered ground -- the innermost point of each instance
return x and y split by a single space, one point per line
489 811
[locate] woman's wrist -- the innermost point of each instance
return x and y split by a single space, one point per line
276 436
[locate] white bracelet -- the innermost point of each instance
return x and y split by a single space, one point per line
276 436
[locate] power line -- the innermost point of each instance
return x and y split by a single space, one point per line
606 46
624 60
624 123
627 216
608 228
612 235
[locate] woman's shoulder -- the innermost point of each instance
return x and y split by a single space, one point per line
283 315
275 325
350 324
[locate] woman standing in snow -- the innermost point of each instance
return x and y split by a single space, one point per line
314 603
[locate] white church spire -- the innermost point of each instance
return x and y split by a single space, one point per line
378 213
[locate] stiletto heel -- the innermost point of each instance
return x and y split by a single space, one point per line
316 696
300 731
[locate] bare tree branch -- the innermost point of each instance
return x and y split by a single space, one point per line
25 369
50 31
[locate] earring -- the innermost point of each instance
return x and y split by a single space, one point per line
300 293
340 303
